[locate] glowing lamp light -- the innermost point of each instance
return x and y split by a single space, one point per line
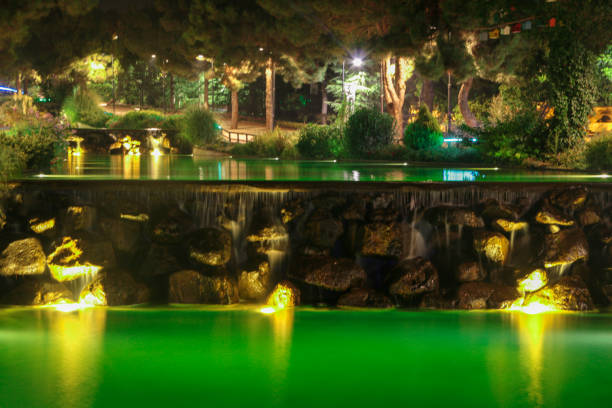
357 62
267 310
153 56
66 306
200 57
531 308
283 296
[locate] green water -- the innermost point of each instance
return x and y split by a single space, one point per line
189 168
214 357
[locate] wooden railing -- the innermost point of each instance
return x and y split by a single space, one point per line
237 137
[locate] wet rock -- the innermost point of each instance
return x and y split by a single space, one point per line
565 247
116 288
192 287
383 215
336 274
2 218
292 210
413 277
570 198
435 300
38 293
328 201
588 216
570 293
322 229
483 295
444 215
254 281
382 240
23 257
285 294
79 256
493 210
79 218
470 271
550 215
362 297
381 201
265 228
43 226
494 245
171 228
210 247
161 260
355 210
124 234
506 225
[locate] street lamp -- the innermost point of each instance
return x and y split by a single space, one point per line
357 62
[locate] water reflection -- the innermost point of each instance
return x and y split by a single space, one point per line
126 167
282 329
75 165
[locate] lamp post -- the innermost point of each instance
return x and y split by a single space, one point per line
357 62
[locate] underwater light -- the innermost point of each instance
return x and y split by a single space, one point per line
452 139
267 310
67 307
534 307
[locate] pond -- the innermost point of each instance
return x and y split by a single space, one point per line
189 168
239 357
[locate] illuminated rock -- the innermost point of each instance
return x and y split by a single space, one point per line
189 286
284 295
322 229
533 281
570 293
470 271
336 274
380 239
493 210
565 247
23 257
38 293
210 247
115 288
79 218
362 297
413 277
76 257
445 215
550 215
570 198
42 226
265 228
254 281
483 295
494 245
588 216
506 225
291 211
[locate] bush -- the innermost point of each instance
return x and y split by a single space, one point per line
598 155
269 144
138 120
368 131
424 132
319 141
11 163
84 107
199 127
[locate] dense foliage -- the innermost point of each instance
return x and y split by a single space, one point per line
368 131
198 127
320 141
424 132
143 120
83 106
598 155
269 144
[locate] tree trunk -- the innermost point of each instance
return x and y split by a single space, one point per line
206 106
19 91
270 94
448 104
324 102
172 96
427 93
234 122
395 90
464 107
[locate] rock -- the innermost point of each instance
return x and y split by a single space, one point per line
413 277
381 239
355 210
254 282
494 210
328 201
210 247
565 247
124 234
470 271
550 215
483 295
173 227
292 210
362 297
161 260
570 293
79 218
533 281
76 257
337 274
383 215
506 225
115 288
494 245
189 286
43 226
265 228
38 293
2 218
607 291
570 198
23 257
444 215
588 216
284 295
322 229
435 300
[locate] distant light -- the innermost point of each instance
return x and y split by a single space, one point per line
200 57
7 89
276 158
604 175
115 37
405 164
452 139
357 62
261 49
153 56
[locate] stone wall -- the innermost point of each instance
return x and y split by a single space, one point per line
366 245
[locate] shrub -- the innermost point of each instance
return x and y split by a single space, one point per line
12 162
319 141
598 155
368 131
268 144
424 132
138 120
84 107
199 127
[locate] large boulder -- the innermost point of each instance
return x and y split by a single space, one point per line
193 287
337 274
569 293
292 210
445 215
210 247
483 295
172 227
551 216
588 216
76 257
493 210
45 226
254 280
413 277
363 297
470 271
382 239
322 229
38 293
565 247
161 260
570 198
79 218
506 225
115 288
123 233
23 257
494 245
